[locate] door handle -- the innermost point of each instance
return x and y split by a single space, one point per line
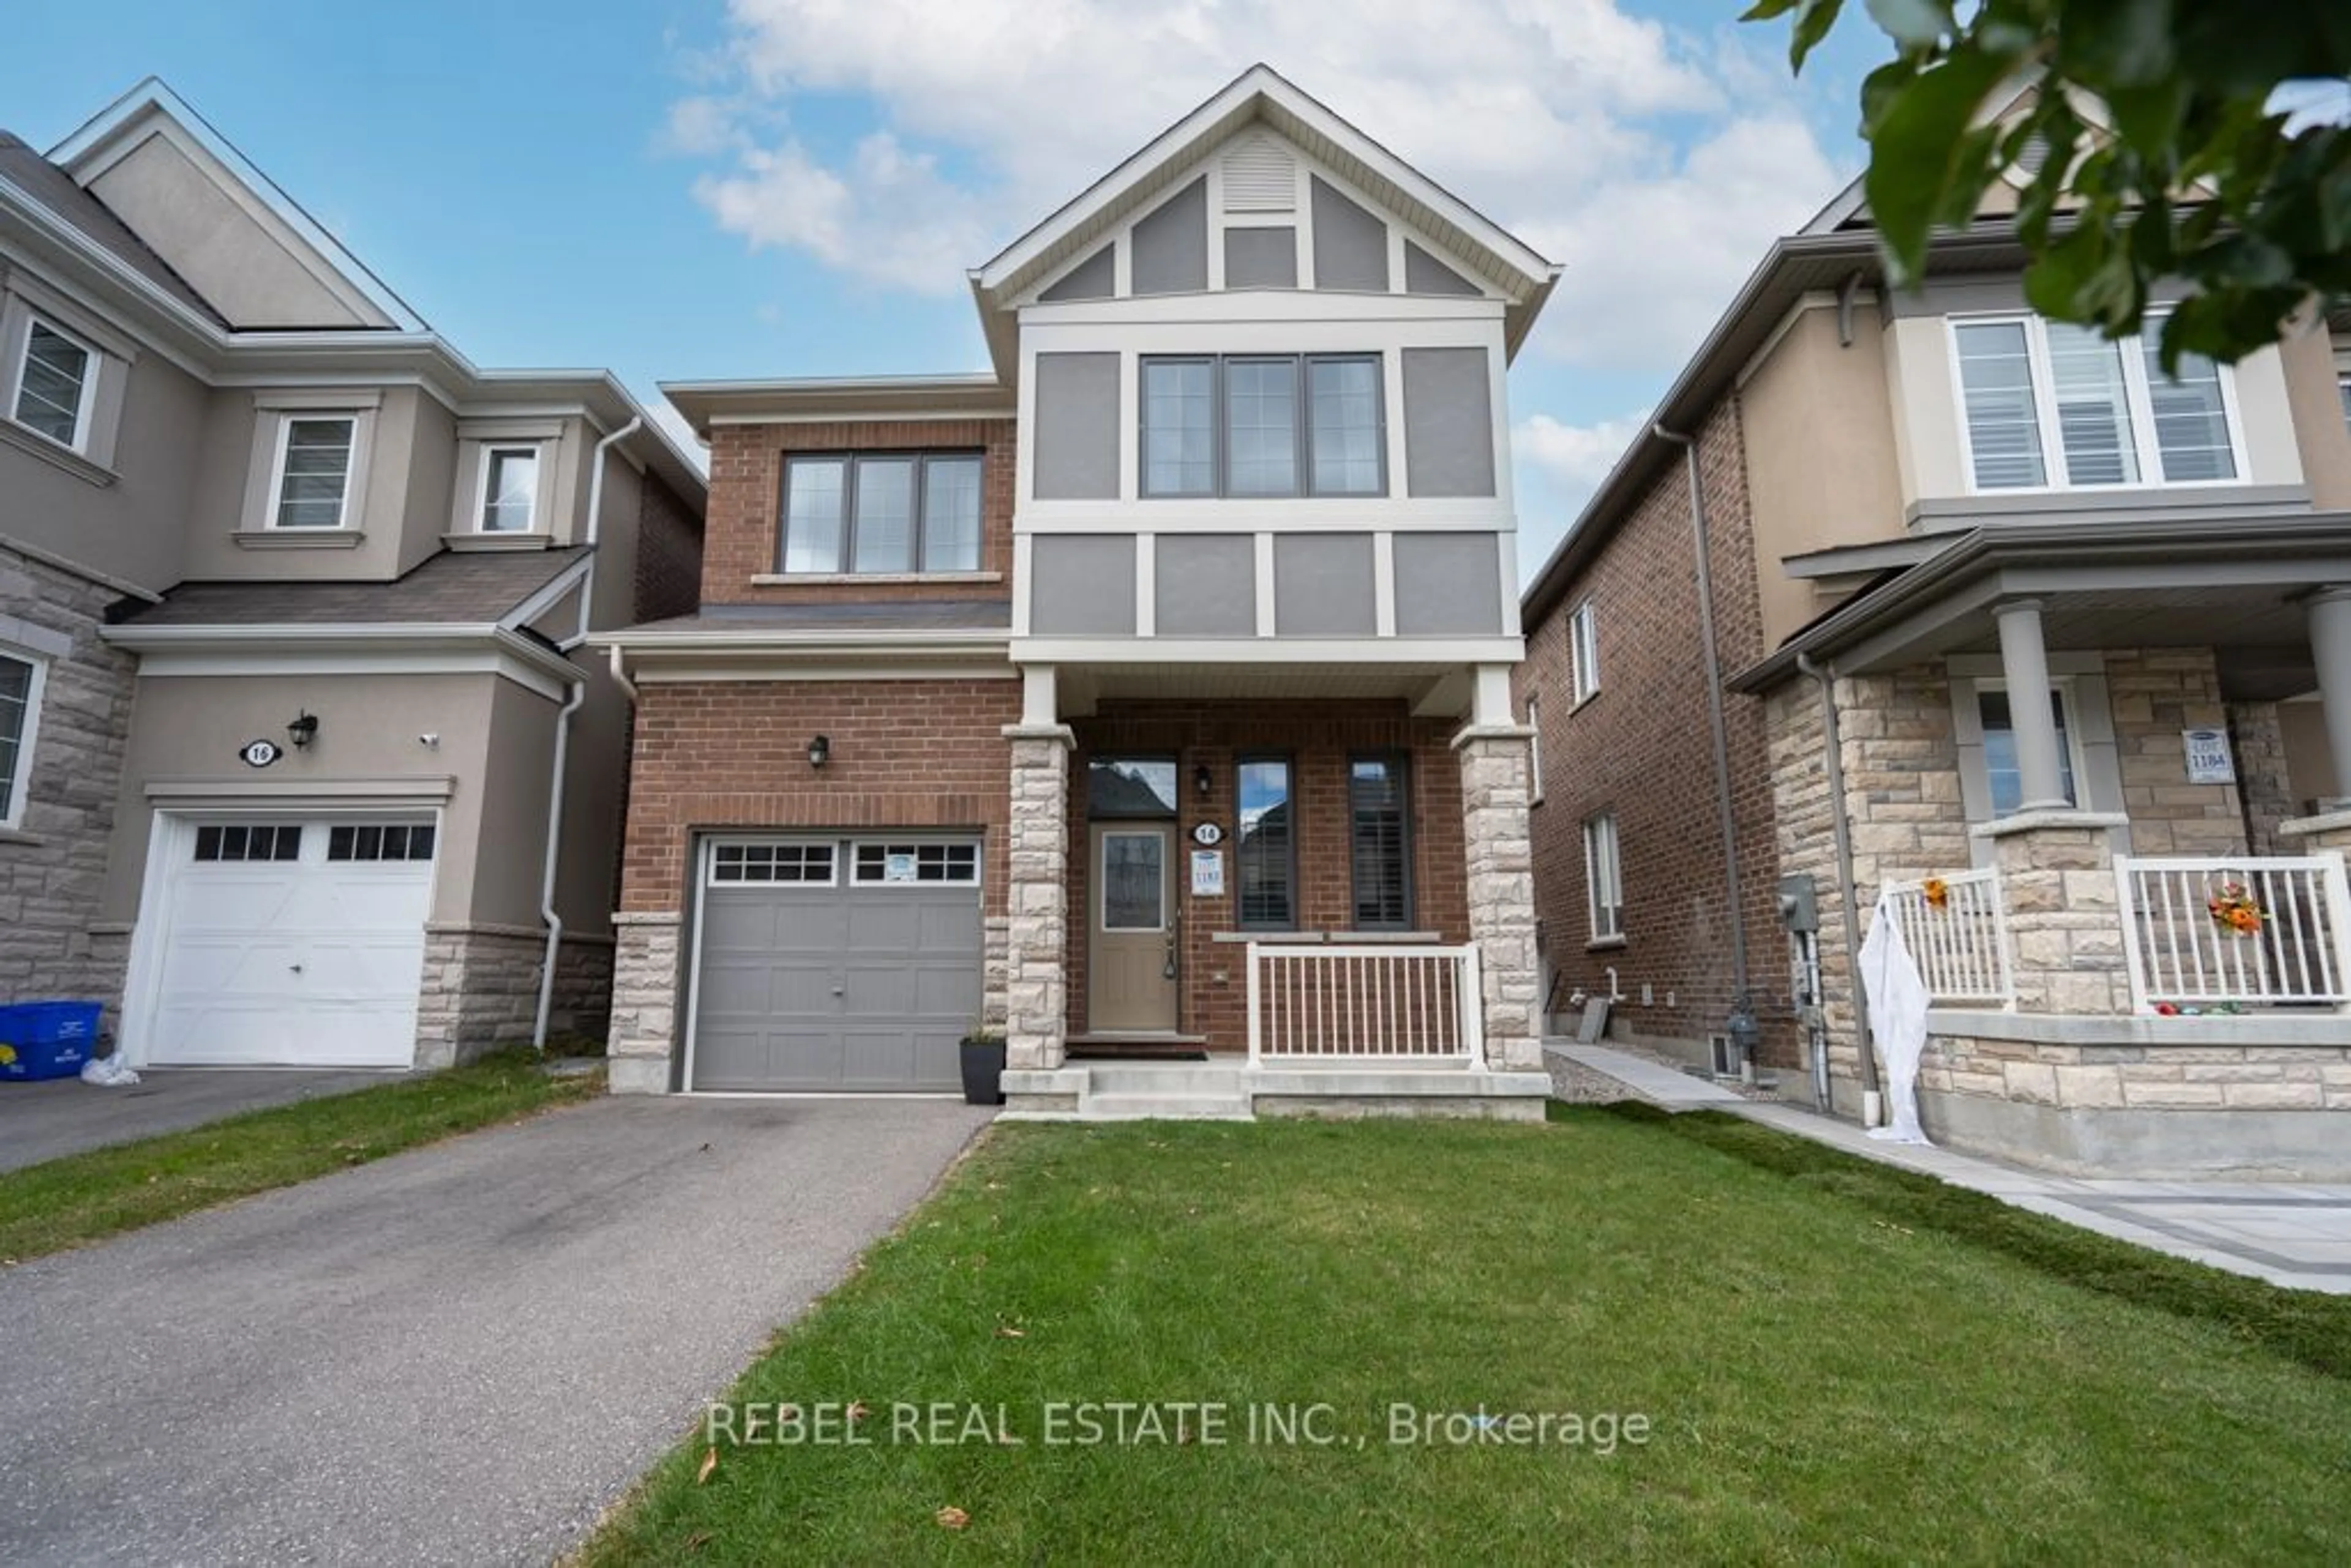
296 968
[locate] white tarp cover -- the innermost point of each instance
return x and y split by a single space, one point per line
1898 1017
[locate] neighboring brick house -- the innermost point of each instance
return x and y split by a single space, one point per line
1163 665
1991 601
246 496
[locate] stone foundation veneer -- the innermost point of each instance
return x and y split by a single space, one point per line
1497 843
1037 927
646 980
480 990
2064 928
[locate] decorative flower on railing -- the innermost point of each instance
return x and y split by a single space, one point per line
1937 893
2234 909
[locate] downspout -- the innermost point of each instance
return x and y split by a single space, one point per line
572 704
1716 724
1841 833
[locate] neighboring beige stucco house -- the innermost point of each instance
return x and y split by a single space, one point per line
1996 621
246 496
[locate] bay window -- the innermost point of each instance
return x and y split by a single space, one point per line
2049 405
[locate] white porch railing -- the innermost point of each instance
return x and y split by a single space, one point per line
1369 1002
2179 952
1960 948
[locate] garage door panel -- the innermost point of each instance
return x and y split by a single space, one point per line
946 929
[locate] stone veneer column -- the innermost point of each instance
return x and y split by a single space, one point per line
2065 924
1498 846
1036 984
644 1003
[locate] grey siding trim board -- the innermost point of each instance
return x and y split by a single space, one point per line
1204 585
1261 257
1448 584
1351 245
1171 245
1322 585
1096 277
1448 423
1077 427
1082 585
1424 274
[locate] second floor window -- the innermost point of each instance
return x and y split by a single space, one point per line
1263 425
2048 406
897 512
509 489
54 384
1583 652
314 470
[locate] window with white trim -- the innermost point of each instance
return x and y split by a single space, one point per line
1534 750
312 489
249 841
1604 878
509 489
888 865
1264 426
21 678
896 512
2047 406
1583 652
805 865
380 842
57 385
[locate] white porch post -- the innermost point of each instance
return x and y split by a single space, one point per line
1497 843
2329 613
2025 663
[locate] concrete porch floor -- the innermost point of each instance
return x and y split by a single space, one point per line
2294 1234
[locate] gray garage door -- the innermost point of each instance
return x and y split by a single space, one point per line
836 963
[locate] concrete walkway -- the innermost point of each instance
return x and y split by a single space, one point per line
2295 1234
460 1355
64 1116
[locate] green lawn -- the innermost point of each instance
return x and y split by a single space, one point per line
1836 1361
86 1197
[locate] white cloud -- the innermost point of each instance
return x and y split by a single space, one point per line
1559 465
1560 119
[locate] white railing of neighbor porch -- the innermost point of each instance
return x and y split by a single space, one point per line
2178 953
1961 949
1370 1003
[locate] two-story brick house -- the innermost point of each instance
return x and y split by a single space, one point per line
1148 692
1915 595
246 496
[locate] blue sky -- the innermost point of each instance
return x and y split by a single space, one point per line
700 188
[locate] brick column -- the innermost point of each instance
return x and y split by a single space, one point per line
1035 980
1497 843
645 985
2065 924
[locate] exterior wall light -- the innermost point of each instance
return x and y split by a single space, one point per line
819 751
303 731
1202 779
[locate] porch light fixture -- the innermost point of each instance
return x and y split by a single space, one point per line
303 731
1202 779
819 751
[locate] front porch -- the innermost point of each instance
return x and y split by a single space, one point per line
1275 903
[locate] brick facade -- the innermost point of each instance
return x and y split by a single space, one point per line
1640 748
1318 737
746 470
669 554
53 864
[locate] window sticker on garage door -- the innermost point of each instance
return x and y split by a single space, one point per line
273 841
885 864
803 863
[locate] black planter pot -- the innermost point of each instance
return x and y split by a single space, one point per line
983 1072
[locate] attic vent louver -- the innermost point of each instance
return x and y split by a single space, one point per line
1261 176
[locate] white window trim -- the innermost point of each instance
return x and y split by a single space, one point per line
1584 652
832 879
1594 905
535 524
1534 750
275 498
21 783
2149 451
86 406
854 848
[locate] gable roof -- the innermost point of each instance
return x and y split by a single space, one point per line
1467 238
53 188
151 109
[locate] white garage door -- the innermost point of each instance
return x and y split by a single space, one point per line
291 942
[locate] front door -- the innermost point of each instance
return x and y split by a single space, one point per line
1132 946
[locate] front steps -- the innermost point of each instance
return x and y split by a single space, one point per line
1230 1091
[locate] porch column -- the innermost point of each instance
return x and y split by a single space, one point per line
1036 988
1498 847
2064 924
2329 613
2025 663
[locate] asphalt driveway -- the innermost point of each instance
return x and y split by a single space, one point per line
64 1115
461 1354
